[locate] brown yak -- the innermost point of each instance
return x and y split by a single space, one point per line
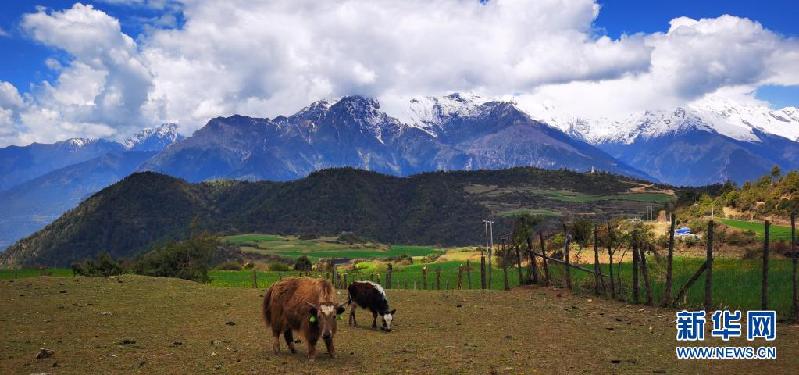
303 305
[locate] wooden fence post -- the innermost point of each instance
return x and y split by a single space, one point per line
645 274
533 263
635 267
597 272
795 300
482 271
610 262
254 279
567 268
505 272
544 258
424 277
519 266
764 289
389 270
438 278
709 274
377 278
345 281
460 277
469 273
669 257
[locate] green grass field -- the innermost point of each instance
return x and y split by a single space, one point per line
776 232
323 247
736 283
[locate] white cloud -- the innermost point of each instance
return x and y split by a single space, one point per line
106 82
692 59
264 58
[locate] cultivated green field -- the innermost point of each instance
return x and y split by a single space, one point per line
776 232
323 247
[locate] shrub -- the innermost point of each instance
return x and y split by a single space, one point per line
277 266
188 260
303 264
103 266
229 266
349 238
741 238
432 257
307 236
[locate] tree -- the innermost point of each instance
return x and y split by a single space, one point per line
303 264
775 173
103 266
189 259
524 228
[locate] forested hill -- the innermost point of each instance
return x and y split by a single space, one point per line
444 208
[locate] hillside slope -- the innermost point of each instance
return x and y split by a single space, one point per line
433 208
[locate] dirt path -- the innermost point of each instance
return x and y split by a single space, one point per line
154 326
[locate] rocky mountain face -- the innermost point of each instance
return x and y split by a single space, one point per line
354 132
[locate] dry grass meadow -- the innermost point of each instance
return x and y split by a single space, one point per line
134 324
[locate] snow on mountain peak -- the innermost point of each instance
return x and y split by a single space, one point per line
79 142
740 121
428 112
726 114
153 139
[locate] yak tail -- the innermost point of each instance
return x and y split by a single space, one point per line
267 313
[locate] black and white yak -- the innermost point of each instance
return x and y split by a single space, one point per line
370 296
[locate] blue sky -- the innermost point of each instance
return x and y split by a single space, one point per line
23 59
619 17
111 67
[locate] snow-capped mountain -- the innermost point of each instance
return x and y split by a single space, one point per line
429 112
738 121
708 141
448 133
153 139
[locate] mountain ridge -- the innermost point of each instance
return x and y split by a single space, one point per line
445 208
